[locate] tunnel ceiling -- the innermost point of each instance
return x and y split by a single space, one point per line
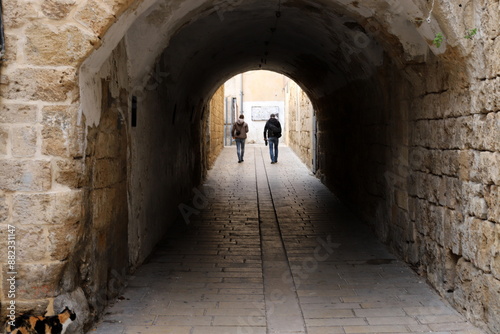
320 44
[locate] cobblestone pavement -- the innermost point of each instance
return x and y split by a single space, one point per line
270 250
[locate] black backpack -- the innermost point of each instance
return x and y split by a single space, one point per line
274 129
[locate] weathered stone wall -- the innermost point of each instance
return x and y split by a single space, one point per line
42 150
299 128
77 231
454 162
89 199
215 133
453 189
101 256
418 156
425 172
439 208
165 164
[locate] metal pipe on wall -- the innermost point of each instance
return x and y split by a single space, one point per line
241 94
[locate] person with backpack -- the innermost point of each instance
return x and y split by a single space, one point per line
239 133
272 133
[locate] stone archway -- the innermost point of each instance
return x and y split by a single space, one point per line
423 118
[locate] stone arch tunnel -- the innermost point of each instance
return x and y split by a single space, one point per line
104 129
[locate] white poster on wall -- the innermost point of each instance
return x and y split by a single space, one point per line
262 113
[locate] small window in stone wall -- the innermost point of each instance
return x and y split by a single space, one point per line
133 118
262 113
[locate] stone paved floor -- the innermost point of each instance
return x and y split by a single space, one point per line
271 251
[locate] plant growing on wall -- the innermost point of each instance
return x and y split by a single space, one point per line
438 39
469 34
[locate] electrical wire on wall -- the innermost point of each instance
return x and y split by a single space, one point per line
2 39
273 29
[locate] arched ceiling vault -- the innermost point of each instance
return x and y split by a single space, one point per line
320 44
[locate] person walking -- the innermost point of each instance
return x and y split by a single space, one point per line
272 133
239 133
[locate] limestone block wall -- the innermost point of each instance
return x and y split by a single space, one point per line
453 193
42 146
425 171
299 128
215 133
454 161
102 251
76 225
416 151
69 169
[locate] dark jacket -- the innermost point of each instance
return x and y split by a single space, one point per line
268 133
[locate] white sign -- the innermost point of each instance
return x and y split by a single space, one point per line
262 113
